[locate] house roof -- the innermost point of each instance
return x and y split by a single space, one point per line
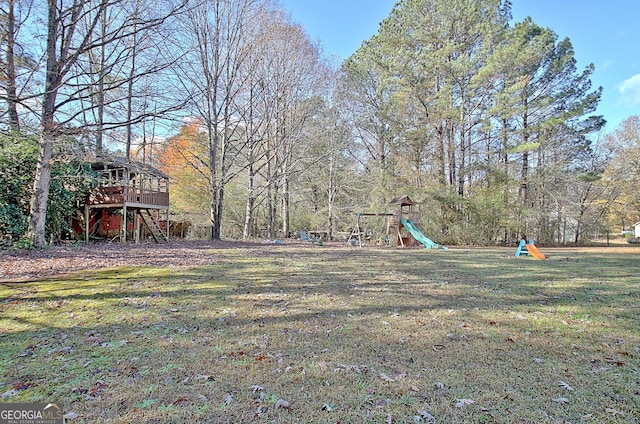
104 162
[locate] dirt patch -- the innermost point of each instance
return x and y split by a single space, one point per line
28 265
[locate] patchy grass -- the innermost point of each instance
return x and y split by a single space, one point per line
329 334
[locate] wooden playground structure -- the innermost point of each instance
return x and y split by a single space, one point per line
401 226
132 198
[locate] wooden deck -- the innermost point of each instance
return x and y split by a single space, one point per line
117 196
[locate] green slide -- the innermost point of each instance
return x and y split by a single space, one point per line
417 234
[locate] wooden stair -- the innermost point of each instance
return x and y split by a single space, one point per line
150 221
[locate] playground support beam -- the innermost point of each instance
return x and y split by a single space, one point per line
358 230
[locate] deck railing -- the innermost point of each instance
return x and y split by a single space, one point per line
148 197
115 196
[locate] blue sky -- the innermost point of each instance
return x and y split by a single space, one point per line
606 34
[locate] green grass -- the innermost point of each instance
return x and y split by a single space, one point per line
340 335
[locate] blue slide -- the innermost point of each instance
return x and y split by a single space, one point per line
417 234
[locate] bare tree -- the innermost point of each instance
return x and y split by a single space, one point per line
213 79
72 34
61 27
9 66
298 82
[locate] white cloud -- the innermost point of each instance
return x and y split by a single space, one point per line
629 91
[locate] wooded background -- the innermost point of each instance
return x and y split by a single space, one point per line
487 123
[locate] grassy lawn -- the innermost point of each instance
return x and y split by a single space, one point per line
292 334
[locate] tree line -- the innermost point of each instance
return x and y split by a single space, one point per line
488 124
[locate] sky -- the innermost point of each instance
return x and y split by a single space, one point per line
605 33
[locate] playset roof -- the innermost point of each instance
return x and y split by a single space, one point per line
402 201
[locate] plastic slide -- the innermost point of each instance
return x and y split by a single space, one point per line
417 234
533 251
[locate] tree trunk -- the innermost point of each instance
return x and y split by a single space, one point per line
331 198
285 200
463 154
441 159
100 95
40 195
213 186
217 225
452 155
251 201
132 72
273 213
269 199
42 178
524 178
12 100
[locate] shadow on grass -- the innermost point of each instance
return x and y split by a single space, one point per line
305 320
441 280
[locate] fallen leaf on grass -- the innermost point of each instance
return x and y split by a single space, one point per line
461 403
255 388
281 403
566 386
95 338
114 344
382 403
61 351
423 415
615 412
615 362
599 370
228 399
327 407
385 377
29 351
181 401
355 368
70 415
204 377
9 393
96 390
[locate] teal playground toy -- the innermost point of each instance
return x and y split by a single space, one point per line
526 249
417 234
